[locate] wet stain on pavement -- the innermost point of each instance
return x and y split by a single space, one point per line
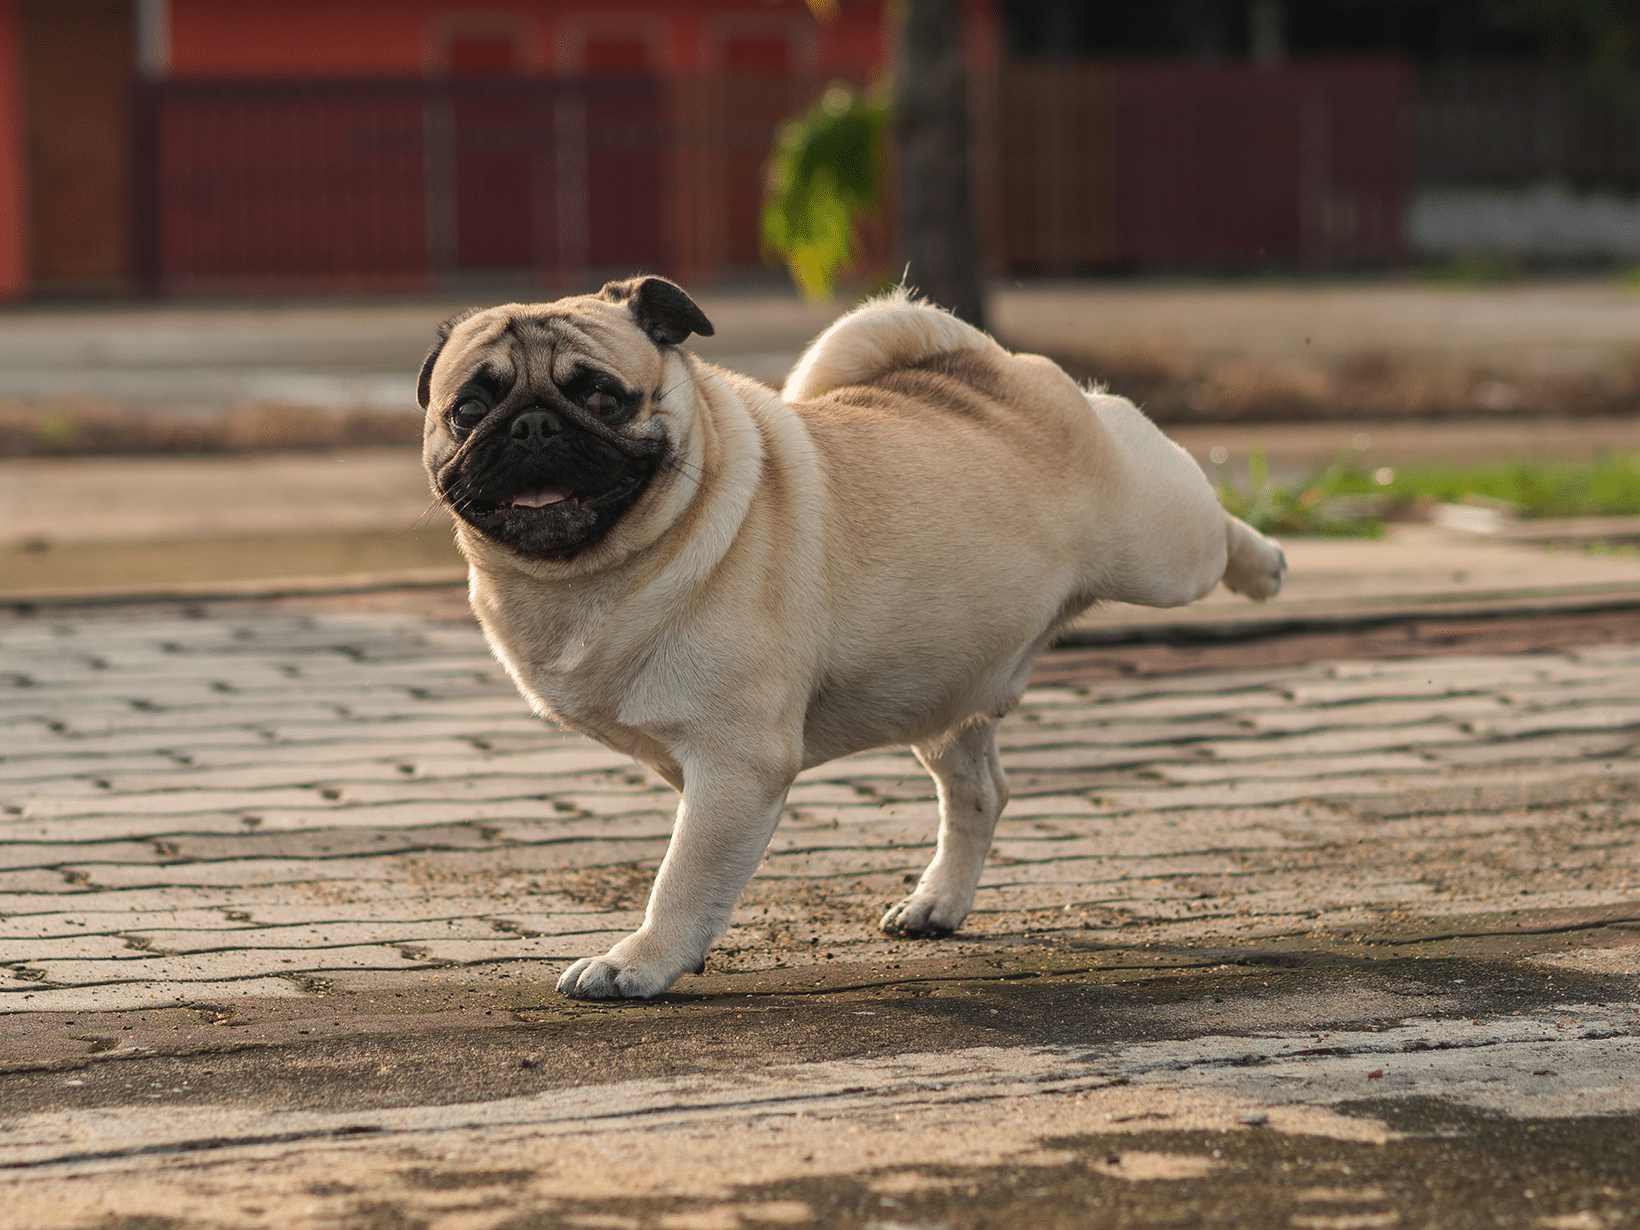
431 1049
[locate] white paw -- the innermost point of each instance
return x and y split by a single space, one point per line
604 978
1257 565
922 913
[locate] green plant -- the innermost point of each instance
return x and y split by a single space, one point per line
1608 486
55 431
1347 501
824 174
1274 509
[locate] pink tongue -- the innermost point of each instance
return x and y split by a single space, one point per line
541 498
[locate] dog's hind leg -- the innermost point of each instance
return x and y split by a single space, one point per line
1168 541
972 790
1255 564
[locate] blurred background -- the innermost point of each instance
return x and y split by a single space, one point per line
1324 241
227 146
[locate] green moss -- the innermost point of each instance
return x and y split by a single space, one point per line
1473 269
1302 509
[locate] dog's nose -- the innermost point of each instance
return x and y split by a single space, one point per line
534 428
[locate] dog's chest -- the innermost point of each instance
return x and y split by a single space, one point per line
573 679
586 708
560 683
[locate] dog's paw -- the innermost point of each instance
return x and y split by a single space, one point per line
603 978
1256 567
921 914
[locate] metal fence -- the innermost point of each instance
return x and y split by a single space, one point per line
411 184
1157 165
406 184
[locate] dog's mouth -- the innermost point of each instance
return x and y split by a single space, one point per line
541 502
543 484
541 497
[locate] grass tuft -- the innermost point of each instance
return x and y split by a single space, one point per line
1609 486
1346 501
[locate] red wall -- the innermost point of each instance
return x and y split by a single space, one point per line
396 37
13 189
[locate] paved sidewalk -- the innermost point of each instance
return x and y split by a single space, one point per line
1415 570
202 358
378 799
286 890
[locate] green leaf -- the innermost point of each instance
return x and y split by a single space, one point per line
824 174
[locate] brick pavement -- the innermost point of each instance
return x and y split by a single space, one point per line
283 804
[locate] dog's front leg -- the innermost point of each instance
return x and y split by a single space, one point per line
968 774
725 820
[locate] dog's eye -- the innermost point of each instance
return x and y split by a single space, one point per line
601 403
468 415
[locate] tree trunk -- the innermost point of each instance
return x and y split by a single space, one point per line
931 128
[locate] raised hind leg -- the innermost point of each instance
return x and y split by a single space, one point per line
972 792
1255 563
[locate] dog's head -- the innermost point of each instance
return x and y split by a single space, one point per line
541 428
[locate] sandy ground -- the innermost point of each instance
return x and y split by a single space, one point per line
79 523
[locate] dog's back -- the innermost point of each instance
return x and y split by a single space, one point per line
1133 504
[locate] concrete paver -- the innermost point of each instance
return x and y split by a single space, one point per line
288 888
323 799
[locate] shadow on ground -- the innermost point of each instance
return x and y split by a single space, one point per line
1151 1020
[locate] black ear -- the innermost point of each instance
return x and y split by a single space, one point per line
424 382
662 309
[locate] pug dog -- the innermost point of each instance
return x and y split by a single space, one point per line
731 585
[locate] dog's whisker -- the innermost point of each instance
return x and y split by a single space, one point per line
688 469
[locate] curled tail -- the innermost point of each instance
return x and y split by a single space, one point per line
880 336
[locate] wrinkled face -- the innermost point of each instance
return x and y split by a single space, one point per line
541 432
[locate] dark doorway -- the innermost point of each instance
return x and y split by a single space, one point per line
623 184
78 62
